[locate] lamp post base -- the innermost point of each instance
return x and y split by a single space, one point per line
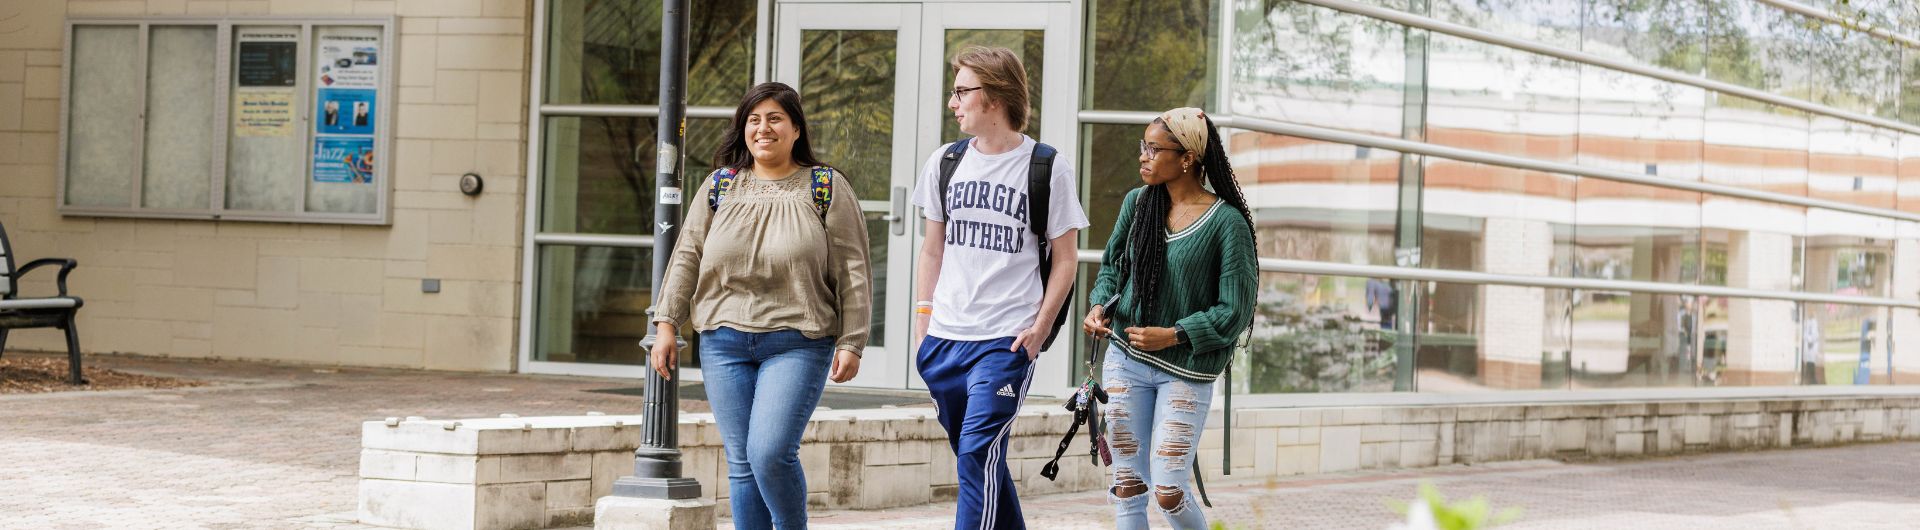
629 513
656 488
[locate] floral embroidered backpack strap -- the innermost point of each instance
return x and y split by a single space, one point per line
822 188
722 181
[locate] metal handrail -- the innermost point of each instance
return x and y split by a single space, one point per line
594 240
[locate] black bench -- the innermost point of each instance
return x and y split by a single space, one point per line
17 312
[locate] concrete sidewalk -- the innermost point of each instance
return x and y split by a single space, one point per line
274 446
1854 487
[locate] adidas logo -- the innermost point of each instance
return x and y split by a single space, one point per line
1006 391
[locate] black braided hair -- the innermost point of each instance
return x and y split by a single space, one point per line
1147 232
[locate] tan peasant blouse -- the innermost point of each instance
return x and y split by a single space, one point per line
762 262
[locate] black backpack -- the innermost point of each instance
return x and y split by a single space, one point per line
1039 197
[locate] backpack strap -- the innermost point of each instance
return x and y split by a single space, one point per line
1039 202
1040 193
722 181
822 191
948 163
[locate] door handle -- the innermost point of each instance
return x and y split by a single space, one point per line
897 217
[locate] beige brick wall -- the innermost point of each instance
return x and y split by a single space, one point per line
299 292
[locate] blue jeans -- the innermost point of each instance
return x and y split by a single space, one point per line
763 388
1149 408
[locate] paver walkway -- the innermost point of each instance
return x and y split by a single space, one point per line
277 447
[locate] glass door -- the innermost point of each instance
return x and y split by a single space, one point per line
874 77
853 67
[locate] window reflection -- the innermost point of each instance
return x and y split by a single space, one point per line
1638 125
1761 47
846 76
1624 339
1909 187
1488 337
1671 34
1848 253
1320 334
609 52
1754 146
1553 22
1857 71
1151 55
1501 100
594 182
1317 200
1905 333
1748 341
1494 219
1909 82
1113 168
593 303
1844 345
1306 64
1852 163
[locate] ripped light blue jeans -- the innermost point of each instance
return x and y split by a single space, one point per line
1151 409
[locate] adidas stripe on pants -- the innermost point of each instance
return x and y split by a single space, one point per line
977 387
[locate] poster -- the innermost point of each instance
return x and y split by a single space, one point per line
348 61
266 57
263 113
343 159
265 63
344 111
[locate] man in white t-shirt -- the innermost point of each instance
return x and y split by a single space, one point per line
981 315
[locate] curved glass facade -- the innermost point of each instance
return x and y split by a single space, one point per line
1335 67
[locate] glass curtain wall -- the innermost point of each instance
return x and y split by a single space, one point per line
1299 63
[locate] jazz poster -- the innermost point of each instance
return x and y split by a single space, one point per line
344 111
347 159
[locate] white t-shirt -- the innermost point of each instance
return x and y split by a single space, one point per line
990 276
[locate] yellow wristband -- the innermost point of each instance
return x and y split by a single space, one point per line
924 310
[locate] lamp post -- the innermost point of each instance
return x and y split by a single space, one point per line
656 464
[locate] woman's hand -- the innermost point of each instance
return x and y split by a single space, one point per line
846 364
665 353
1097 322
1150 339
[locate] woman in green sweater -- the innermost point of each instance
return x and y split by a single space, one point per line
1179 283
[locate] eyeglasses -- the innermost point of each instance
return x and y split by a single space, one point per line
960 92
1152 152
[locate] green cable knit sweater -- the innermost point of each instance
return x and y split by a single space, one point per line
1208 289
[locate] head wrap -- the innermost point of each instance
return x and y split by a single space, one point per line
1189 126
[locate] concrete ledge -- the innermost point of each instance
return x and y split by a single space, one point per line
501 473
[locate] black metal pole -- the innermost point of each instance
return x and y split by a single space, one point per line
656 464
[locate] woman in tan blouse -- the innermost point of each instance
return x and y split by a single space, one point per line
771 270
